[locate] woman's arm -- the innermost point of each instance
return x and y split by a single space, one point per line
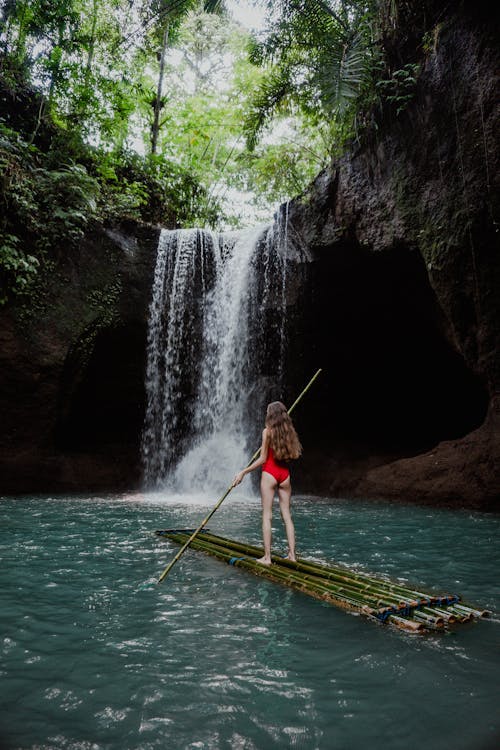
264 449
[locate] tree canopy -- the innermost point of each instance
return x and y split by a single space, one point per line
169 111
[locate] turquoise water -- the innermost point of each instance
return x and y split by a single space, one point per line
96 655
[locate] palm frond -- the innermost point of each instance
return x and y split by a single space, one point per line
328 41
215 6
272 92
341 73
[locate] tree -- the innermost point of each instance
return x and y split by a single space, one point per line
210 83
169 16
171 79
316 54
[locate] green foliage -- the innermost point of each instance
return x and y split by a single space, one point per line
48 205
274 91
430 39
334 62
98 66
400 87
283 169
17 268
317 58
68 198
89 90
153 188
44 208
209 92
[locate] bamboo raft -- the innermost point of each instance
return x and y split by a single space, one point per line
378 599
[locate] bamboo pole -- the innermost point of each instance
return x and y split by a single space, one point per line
460 616
226 493
466 609
430 620
448 617
405 623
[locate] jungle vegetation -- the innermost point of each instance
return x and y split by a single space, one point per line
170 112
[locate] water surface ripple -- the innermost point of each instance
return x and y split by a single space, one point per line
95 655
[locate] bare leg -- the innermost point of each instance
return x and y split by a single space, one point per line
267 489
284 494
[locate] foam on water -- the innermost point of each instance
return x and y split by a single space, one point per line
180 499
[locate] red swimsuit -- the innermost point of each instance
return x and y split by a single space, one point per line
277 469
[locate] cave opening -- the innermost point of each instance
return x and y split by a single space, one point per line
102 398
393 383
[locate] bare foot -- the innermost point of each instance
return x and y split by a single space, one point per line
291 557
264 560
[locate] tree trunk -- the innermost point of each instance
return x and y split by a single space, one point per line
22 35
155 128
54 77
90 58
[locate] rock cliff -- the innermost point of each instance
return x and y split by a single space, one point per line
72 368
403 243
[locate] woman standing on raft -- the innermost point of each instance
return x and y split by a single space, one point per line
280 443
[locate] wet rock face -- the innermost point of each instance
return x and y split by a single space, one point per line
405 259
393 385
392 381
72 369
426 183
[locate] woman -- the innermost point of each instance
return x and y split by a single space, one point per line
280 443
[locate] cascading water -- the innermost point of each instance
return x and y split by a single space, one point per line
216 333
181 281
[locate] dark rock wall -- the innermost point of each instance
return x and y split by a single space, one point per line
72 368
403 247
428 183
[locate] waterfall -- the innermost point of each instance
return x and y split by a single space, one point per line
216 341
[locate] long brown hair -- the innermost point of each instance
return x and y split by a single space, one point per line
283 438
